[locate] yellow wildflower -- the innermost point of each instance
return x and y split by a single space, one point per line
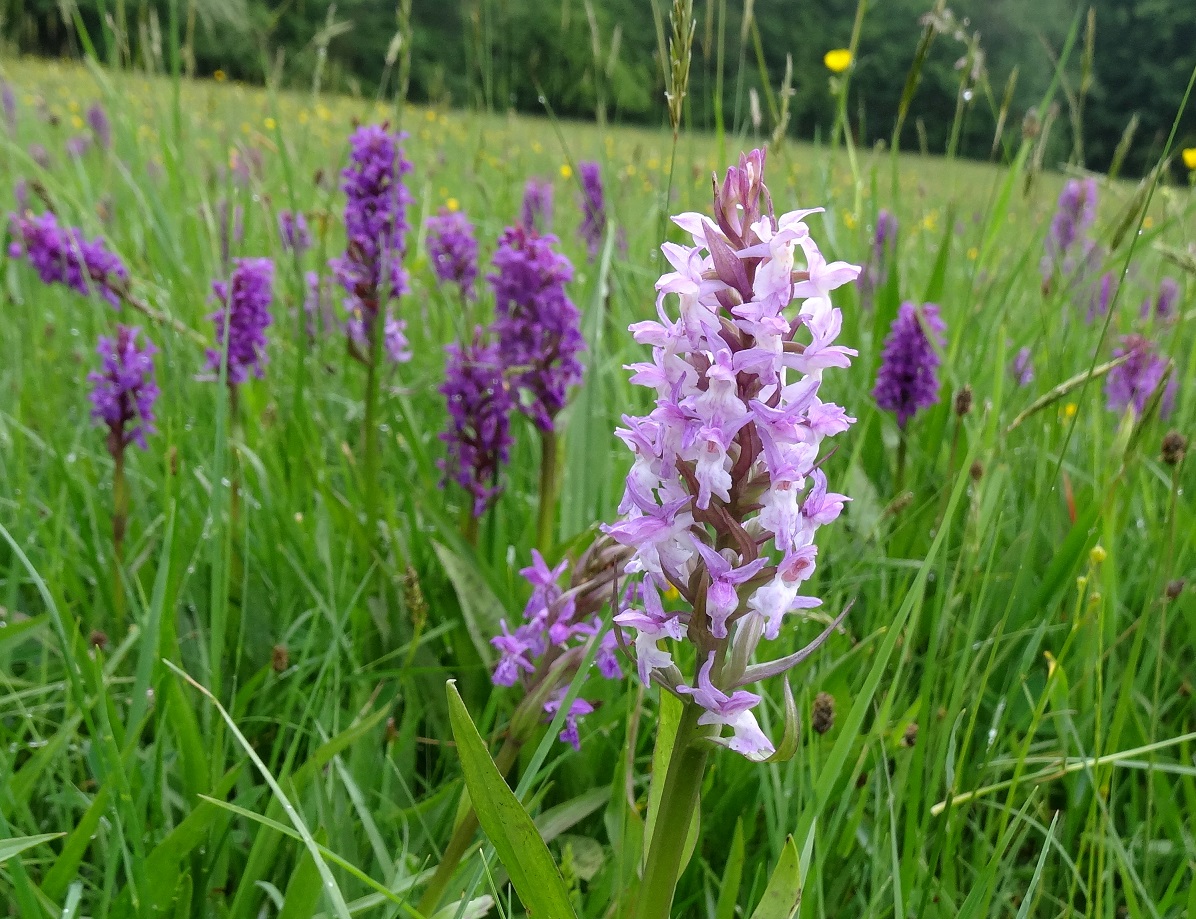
1189 156
837 60
849 220
1069 410
270 124
453 204
1097 554
566 171
973 253
219 76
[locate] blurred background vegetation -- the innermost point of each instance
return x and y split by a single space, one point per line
599 58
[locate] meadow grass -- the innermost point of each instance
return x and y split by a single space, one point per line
1014 724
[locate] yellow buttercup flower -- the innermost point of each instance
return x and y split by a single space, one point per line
219 76
270 124
1189 156
1069 410
453 204
837 60
566 171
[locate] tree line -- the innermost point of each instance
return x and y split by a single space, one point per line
1119 67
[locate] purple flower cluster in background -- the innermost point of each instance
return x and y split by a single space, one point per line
245 307
453 250
876 272
535 215
62 255
123 390
1133 382
8 102
77 146
101 127
1099 295
293 231
1164 304
479 406
727 463
557 626
593 208
371 270
908 377
536 323
40 155
1023 367
1074 216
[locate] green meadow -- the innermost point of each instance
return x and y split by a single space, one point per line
244 713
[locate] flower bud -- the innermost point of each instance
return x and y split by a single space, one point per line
822 718
1175 446
963 401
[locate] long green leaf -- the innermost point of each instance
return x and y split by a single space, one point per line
533 873
782 896
18 844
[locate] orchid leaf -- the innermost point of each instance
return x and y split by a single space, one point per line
534 874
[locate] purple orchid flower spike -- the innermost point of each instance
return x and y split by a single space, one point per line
371 270
543 653
725 494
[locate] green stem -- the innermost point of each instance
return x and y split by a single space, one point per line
463 835
120 519
548 483
369 447
679 800
469 528
902 444
370 463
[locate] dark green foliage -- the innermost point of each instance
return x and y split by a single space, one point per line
603 57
